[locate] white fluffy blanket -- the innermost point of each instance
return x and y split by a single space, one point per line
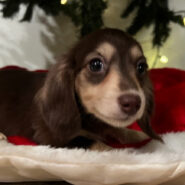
155 163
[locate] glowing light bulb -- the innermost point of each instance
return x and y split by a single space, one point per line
184 20
63 2
163 59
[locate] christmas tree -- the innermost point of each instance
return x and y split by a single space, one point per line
87 15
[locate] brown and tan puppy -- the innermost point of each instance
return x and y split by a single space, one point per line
100 87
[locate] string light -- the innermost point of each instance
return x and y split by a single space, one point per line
163 59
63 2
184 20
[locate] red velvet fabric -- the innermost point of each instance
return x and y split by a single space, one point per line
169 90
18 140
169 115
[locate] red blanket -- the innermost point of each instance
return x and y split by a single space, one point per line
169 90
169 116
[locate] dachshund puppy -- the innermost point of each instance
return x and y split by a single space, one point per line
96 90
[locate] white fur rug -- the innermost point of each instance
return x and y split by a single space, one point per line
155 163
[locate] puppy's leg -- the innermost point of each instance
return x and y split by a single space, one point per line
99 146
132 136
126 136
2 136
122 135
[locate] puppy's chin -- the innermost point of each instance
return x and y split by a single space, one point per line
121 123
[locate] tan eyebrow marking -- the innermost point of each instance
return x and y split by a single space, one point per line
106 49
135 52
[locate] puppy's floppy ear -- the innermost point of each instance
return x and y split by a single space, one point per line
57 102
144 122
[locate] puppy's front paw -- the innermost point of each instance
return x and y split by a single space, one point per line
2 136
99 146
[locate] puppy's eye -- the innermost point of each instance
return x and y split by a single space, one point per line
96 65
142 67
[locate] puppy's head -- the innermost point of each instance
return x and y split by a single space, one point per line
112 77
108 72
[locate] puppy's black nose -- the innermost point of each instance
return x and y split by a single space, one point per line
129 103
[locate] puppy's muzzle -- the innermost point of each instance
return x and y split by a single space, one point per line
129 103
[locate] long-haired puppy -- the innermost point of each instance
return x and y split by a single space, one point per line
100 87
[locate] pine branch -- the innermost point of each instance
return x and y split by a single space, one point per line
91 12
10 8
177 19
153 12
130 8
85 14
29 12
